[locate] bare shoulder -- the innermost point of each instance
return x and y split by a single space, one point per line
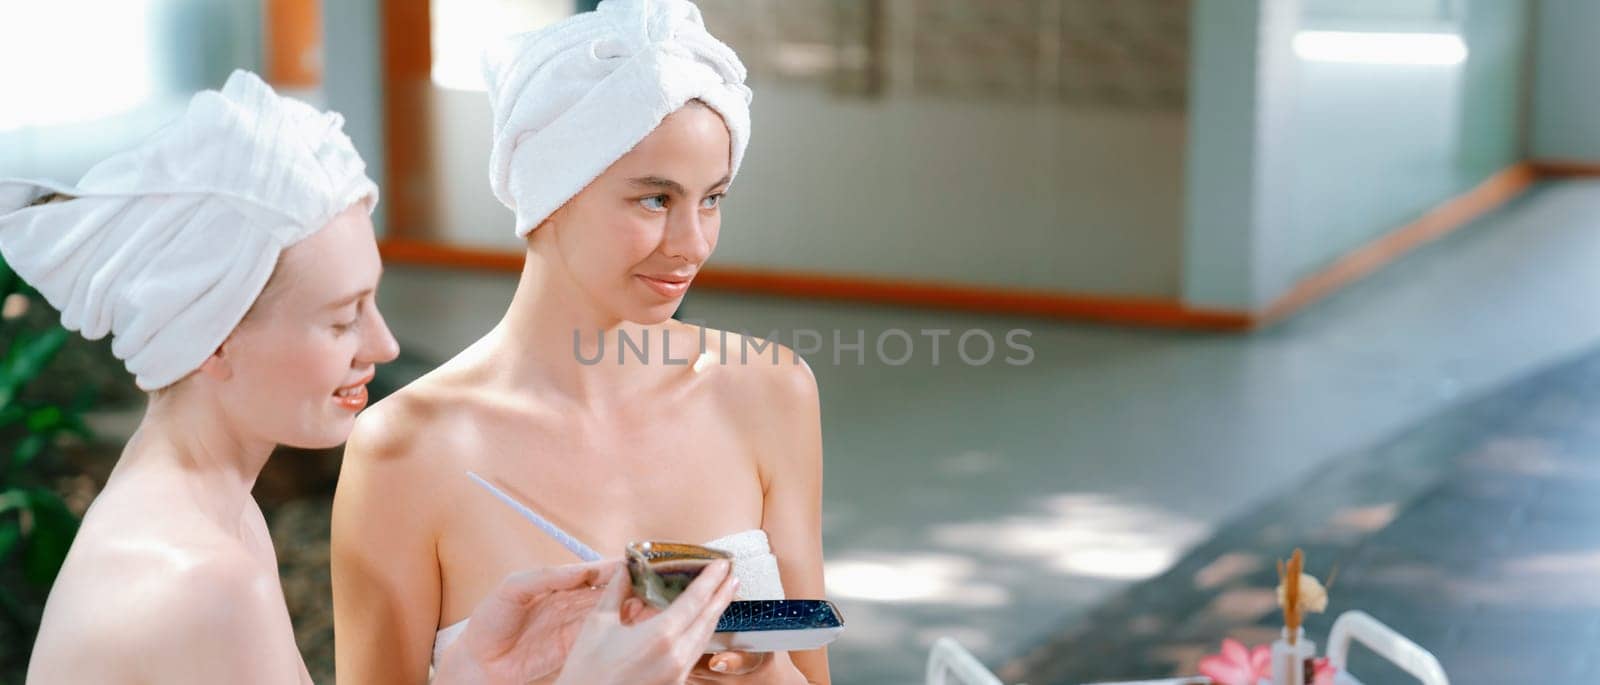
391 428
401 451
761 374
411 429
771 393
389 459
145 605
222 617
225 598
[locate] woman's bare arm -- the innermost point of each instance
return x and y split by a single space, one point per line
385 568
215 633
792 510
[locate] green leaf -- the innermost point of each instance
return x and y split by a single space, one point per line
10 535
74 424
8 279
28 449
45 547
28 357
15 498
12 610
85 400
46 420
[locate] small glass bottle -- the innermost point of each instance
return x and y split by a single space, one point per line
1289 661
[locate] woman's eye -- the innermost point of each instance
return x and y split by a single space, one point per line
654 202
346 326
711 202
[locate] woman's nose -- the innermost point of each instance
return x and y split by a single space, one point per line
380 346
688 236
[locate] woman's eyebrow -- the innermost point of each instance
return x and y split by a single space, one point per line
671 185
659 182
348 300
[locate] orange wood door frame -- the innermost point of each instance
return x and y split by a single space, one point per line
408 185
993 300
1566 168
293 43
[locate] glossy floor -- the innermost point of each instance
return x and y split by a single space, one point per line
994 502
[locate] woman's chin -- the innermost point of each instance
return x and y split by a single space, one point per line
321 442
332 432
653 313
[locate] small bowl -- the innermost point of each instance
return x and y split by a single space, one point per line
661 571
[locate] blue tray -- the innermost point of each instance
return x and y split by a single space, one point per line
777 625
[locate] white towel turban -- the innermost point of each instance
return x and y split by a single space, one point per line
572 98
168 244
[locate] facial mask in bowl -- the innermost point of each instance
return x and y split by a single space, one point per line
660 571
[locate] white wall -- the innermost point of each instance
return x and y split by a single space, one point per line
1241 97
63 109
1296 160
1566 101
974 192
1379 145
352 81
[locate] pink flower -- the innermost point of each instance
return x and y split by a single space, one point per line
1322 671
1237 665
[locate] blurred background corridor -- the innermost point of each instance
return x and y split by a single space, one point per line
1315 273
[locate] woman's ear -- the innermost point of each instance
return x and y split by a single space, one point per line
548 225
546 231
217 366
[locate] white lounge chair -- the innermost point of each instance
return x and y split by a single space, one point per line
952 664
1385 642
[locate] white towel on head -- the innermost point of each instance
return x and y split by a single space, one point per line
167 245
574 97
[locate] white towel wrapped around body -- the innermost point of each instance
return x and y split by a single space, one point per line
574 97
167 245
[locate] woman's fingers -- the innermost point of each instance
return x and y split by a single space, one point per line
736 663
635 610
687 606
704 621
617 589
526 586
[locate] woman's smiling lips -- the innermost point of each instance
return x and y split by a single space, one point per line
353 397
668 285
